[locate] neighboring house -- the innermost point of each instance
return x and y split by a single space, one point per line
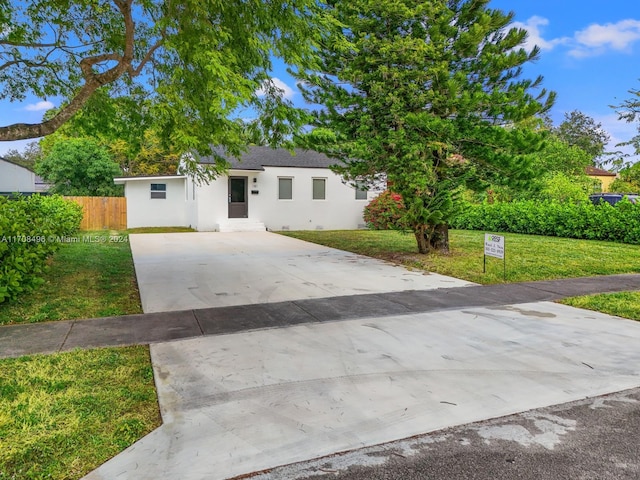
41 185
606 178
15 178
266 188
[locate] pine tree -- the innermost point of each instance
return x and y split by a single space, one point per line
429 95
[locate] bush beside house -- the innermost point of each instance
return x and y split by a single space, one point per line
30 231
385 212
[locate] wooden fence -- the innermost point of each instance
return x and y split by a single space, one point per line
102 213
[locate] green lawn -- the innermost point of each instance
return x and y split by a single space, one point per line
63 415
93 277
527 257
623 304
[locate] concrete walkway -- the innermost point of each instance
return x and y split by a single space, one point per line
50 337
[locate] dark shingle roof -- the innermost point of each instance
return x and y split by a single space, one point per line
256 158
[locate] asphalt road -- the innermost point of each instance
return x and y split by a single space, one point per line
592 439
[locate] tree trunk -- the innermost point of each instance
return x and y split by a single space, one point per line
421 238
432 239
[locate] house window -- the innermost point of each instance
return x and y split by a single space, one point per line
158 190
361 191
319 188
285 188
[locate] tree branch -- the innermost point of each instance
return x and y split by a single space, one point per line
135 72
93 81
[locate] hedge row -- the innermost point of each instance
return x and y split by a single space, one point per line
30 231
619 223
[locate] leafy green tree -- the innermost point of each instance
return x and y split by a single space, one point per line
558 156
628 180
582 131
202 59
429 95
563 188
629 110
126 126
79 166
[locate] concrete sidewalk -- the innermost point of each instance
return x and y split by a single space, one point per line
50 337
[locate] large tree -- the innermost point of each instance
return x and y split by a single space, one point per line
203 59
582 131
430 95
79 166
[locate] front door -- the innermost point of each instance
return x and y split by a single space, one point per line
238 205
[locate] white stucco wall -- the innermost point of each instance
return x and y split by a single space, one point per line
339 211
144 211
213 204
204 207
14 178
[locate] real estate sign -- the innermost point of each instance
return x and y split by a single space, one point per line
493 245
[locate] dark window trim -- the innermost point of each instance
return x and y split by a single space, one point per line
324 190
159 191
279 192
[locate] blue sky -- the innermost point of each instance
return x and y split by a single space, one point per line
590 57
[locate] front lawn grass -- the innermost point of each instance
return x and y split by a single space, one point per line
87 278
63 415
622 304
528 257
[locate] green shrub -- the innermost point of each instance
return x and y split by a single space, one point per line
385 212
619 223
30 231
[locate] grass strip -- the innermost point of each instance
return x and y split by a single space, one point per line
91 277
528 257
63 415
623 304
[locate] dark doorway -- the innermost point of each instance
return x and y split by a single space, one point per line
238 205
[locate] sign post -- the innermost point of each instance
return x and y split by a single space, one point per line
494 247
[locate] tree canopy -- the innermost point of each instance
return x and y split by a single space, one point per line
79 166
202 59
430 95
582 131
629 110
126 126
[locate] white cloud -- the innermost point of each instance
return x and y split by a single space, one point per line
595 39
39 106
287 91
533 26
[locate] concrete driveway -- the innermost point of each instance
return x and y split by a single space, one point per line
240 403
235 404
182 271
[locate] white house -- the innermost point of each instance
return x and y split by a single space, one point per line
265 188
16 178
